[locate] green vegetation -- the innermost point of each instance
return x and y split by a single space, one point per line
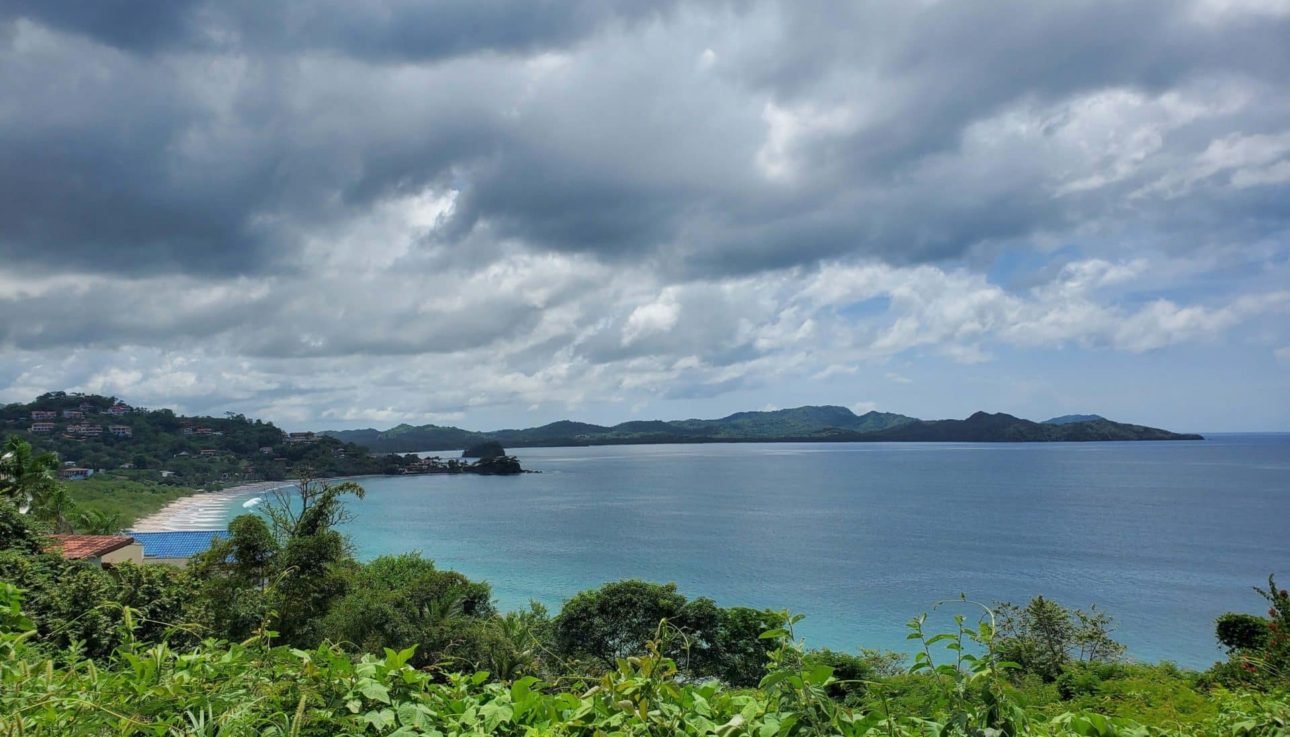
102 504
161 447
277 630
141 460
26 477
1044 637
111 496
1258 649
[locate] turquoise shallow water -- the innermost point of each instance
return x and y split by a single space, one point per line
860 537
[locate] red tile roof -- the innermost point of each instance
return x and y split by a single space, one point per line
75 547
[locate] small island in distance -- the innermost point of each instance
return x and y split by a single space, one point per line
811 424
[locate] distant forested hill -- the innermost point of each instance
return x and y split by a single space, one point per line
102 433
1068 419
983 427
806 424
800 423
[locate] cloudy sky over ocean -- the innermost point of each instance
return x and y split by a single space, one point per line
499 213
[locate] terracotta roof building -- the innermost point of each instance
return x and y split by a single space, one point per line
100 549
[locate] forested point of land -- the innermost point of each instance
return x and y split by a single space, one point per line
114 463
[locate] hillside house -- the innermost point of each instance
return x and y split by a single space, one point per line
187 431
75 474
121 431
44 414
120 408
85 431
42 427
208 452
73 414
101 550
301 437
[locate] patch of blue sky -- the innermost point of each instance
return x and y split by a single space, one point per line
872 307
1018 269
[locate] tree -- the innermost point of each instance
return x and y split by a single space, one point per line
84 607
234 574
26 476
618 619
615 620
17 531
1241 632
251 546
283 570
54 507
96 522
403 600
741 653
514 641
314 507
1044 636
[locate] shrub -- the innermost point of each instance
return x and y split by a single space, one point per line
1043 636
1241 632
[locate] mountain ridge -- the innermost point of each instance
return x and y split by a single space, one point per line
1068 419
809 423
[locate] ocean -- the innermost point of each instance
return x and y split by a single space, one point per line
1164 536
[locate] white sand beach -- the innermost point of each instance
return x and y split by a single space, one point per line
203 510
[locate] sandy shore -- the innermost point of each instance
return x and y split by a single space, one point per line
203 510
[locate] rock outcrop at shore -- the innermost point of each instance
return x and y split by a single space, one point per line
496 465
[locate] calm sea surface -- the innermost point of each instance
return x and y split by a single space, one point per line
861 537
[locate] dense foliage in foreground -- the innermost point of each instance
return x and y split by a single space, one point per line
254 689
279 631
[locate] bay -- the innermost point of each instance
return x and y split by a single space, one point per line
860 537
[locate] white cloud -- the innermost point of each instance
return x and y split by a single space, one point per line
790 128
655 317
1241 160
864 406
588 335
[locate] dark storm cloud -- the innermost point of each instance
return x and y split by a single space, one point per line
129 24
217 138
399 30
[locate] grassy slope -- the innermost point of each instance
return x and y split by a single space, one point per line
129 499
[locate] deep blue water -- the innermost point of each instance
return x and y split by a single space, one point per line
861 537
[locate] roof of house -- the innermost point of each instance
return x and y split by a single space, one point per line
76 547
179 544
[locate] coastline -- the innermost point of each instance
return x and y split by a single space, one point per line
203 510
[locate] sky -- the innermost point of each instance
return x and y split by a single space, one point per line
499 213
